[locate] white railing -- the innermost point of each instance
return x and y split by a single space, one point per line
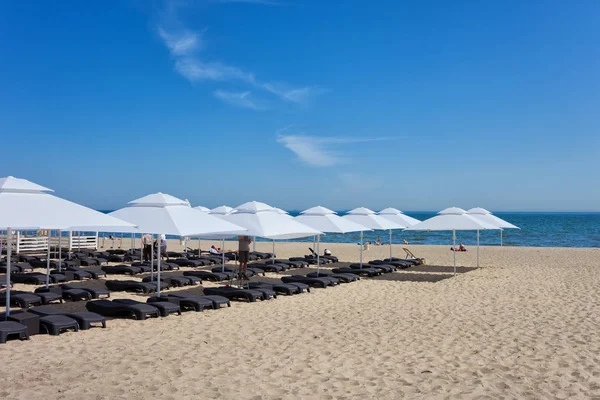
82 242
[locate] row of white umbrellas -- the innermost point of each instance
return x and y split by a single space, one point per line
26 206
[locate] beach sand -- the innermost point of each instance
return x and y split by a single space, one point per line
524 325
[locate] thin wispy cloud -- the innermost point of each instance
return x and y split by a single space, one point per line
239 99
182 43
185 47
320 151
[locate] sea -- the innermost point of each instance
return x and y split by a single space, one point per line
538 229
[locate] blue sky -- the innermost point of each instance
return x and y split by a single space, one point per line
414 105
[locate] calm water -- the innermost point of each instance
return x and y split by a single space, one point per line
537 229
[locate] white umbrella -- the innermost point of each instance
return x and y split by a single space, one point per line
368 218
398 217
202 208
164 214
453 219
484 215
262 220
222 210
27 205
326 220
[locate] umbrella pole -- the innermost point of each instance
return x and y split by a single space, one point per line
273 257
59 250
158 266
198 247
318 253
390 245
8 254
223 255
151 262
254 244
361 248
48 262
454 247
477 248
501 237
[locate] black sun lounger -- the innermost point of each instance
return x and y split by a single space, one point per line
364 271
235 293
331 258
289 263
173 281
84 319
95 273
380 265
95 293
47 297
344 278
314 282
231 272
67 294
281 288
164 307
130 286
269 267
72 275
121 269
405 261
33 278
309 260
196 303
16 268
216 300
207 275
114 309
54 324
23 300
8 328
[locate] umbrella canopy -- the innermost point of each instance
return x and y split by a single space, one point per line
326 220
222 210
368 218
484 215
165 214
262 220
453 219
27 205
398 217
161 213
202 208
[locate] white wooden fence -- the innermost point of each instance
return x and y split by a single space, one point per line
39 244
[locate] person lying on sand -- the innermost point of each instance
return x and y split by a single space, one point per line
461 247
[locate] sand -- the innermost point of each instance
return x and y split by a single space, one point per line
524 325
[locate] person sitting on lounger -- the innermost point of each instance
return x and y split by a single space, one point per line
405 242
215 250
378 242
